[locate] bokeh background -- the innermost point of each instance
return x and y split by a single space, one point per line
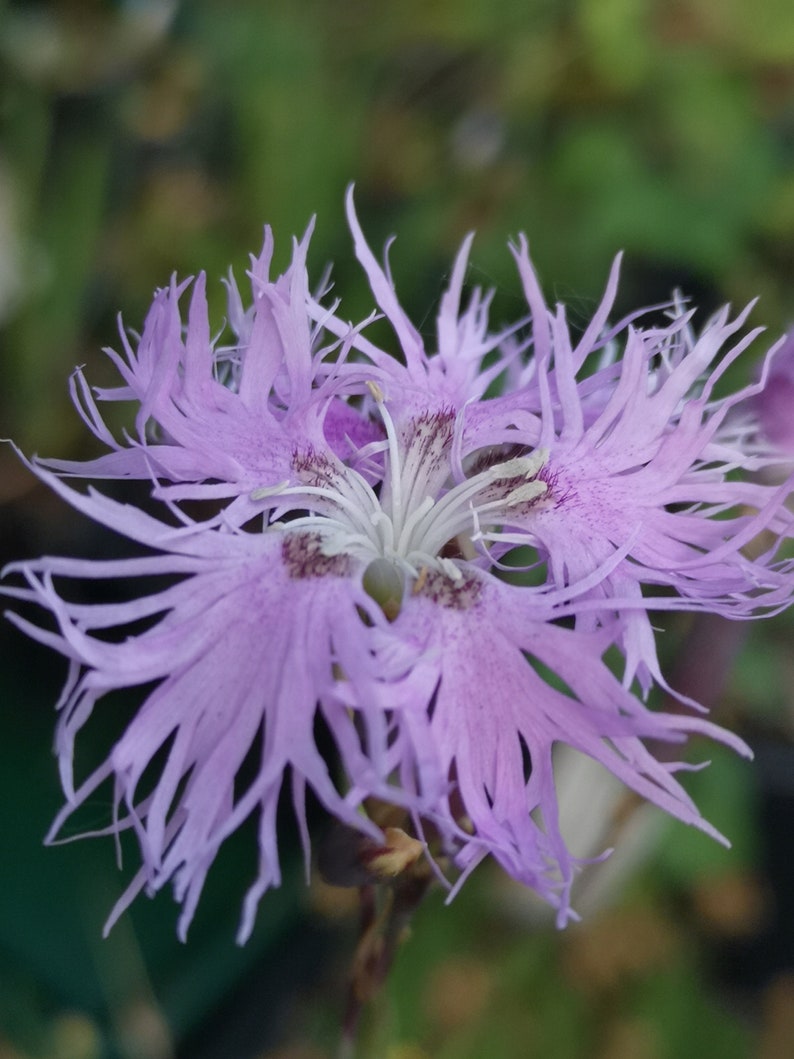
143 137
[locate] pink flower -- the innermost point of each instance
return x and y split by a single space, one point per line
431 574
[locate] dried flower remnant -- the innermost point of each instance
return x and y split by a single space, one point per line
352 575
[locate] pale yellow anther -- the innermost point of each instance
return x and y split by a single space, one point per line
269 490
521 466
419 583
377 394
526 492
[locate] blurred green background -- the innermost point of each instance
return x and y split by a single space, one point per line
150 136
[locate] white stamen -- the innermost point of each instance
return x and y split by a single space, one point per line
406 524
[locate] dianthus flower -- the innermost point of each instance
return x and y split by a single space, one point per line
426 553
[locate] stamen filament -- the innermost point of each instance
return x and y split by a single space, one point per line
395 478
409 524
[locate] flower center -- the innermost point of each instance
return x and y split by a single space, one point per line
417 521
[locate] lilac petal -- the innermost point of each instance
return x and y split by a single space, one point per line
454 373
386 298
244 436
219 694
489 700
